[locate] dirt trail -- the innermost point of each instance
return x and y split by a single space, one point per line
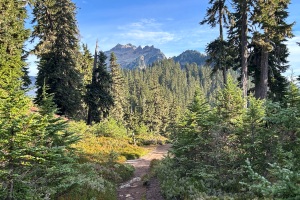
134 189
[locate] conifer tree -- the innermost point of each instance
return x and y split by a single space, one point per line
12 37
98 97
238 34
218 14
278 65
58 158
57 49
277 83
86 65
34 146
16 133
251 132
117 89
271 17
194 147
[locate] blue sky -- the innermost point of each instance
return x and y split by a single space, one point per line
170 25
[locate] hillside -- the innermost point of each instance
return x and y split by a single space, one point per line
190 56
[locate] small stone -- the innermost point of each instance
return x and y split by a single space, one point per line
125 186
136 179
128 195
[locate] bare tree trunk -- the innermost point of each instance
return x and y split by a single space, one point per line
221 65
10 195
89 117
224 75
244 50
95 76
262 89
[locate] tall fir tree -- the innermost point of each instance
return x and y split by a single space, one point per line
117 89
238 38
12 37
57 49
86 65
278 64
217 14
271 17
98 97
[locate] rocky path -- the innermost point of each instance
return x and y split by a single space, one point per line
134 189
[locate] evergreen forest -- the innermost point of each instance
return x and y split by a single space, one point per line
233 123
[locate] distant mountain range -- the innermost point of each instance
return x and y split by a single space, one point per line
130 56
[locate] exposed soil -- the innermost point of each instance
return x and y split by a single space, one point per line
136 189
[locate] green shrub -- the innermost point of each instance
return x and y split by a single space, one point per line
282 182
88 182
173 184
150 138
110 128
124 170
79 127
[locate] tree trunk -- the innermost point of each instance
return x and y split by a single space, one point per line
224 75
10 195
244 50
221 64
89 117
262 89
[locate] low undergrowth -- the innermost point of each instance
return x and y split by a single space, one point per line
105 147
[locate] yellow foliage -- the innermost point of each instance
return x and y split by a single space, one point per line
105 149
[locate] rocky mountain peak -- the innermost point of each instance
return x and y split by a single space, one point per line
126 46
130 56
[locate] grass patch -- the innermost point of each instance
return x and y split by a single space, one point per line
86 193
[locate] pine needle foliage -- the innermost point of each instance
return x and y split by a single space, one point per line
36 157
12 37
99 95
57 49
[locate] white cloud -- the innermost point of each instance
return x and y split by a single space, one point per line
145 31
155 37
142 24
169 19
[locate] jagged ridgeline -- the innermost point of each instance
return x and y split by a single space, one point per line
131 57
